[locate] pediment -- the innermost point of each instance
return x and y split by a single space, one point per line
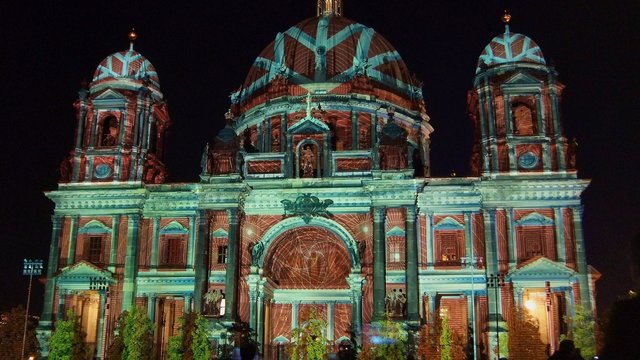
80 275
309 125
220 232
534 219
109 94
542 267
395 231
522 79
448 223
95 227
174 228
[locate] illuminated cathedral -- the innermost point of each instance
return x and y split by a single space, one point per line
318 194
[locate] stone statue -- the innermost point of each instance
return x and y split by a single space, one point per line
307 160
212 300
523 120
256 250
111 137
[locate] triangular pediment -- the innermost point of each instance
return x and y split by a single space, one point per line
174 228
220 232
395 231
95 227
448 223
542 267
522 79
109 94
534 219
309 125
81 275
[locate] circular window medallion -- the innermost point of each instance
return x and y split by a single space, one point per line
528 160
103 171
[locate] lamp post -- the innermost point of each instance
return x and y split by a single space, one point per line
31 267
471 262
101 285
496 282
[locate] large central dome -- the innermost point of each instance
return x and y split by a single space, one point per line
329 49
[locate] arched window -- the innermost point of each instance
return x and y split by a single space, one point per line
523 119
109 131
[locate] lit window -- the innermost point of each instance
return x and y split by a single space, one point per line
222 254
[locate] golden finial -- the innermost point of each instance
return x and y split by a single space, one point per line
506 17
132 37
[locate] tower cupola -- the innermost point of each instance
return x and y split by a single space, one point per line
515 108
122 119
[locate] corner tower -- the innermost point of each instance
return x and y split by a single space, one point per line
515 108
122 118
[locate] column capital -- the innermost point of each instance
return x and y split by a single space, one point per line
411 212
232 215
378 214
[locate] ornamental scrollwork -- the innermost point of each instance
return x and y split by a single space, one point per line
307 206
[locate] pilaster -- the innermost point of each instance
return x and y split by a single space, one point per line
379 270
232 266
130 262
412 265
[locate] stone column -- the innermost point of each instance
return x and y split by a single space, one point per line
260 319
113 249
187 304
355 130
61 295
581 259
413 313
330 321
130 262
379 270
155 243
73 236
101 320
192 241
356 282
511 238
558 219
151 307
52 266
430 241
232 266
201 260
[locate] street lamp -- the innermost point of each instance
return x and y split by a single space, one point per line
101 285
496 282
31 267
471 262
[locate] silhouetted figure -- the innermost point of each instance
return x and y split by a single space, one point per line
248 351
621 334
566 351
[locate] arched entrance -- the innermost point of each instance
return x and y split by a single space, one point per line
305 266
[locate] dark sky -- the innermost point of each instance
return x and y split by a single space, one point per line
203 50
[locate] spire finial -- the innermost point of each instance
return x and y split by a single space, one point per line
132 37
506 18
329 7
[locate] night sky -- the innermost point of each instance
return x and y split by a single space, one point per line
203 50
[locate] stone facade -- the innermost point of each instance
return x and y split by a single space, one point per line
318 193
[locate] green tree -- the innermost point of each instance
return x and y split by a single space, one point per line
523 337
445 339
583 331
392 343
11 333
68 340
192 341
200 345
114 351
138 336
310 341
